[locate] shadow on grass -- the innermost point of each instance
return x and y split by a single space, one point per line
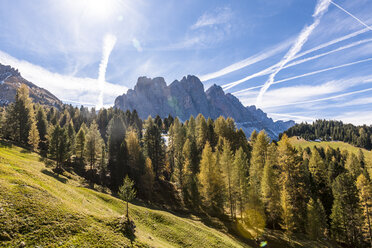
48 163
4 143
55 175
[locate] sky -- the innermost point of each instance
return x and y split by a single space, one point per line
295 59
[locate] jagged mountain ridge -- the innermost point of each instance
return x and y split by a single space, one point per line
187 97
11 79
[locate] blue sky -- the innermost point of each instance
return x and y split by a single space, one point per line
295 59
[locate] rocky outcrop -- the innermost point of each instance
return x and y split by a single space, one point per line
11 79
187 97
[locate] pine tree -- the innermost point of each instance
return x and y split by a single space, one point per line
258 161
191 169
316 224
346 211
365 196
58 145
42 127
80 144
117 151
270 187
153 145
93 145
33 137
177 136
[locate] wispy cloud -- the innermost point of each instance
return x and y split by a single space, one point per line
208 19
108 44
320 9
306 74
68 88
244 63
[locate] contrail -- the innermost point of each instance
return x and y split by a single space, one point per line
108 44
353 16
244 63
320 9
271 68
323 99
305 75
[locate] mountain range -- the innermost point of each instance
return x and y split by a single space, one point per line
11 79
187 97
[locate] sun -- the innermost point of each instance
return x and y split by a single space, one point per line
99 9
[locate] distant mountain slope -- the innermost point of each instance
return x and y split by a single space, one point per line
11 79
187 97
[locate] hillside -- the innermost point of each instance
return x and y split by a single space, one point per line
187 97
11 79
299 142
40 208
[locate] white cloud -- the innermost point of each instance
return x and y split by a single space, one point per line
67 88
320 9
355 117
244 63
219 16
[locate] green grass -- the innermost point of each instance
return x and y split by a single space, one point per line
334 144
42 209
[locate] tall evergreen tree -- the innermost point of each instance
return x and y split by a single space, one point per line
42 127
58 145
136 160
117 151
240 177
228 171
191 169
352 164
33 137
153 145
80 144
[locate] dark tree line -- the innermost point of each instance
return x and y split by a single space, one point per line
210 165
360 136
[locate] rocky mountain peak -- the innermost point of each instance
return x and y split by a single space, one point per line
187 97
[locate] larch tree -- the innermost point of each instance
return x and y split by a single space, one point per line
33 137
352 164
210 181
177 137
241 178
136 160
316 221
58 145
227 165
258 160
365 196
127 192
201 132
293 193
93 145
191 169
270 186
42 127
346 210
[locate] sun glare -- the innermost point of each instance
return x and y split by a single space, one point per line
96 8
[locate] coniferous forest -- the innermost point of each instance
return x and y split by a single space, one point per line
208 167
360 136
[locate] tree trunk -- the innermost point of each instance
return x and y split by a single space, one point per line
127 211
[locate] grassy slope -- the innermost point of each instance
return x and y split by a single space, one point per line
335 144
41 208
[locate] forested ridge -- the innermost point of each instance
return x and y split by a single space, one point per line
360 136
205 166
